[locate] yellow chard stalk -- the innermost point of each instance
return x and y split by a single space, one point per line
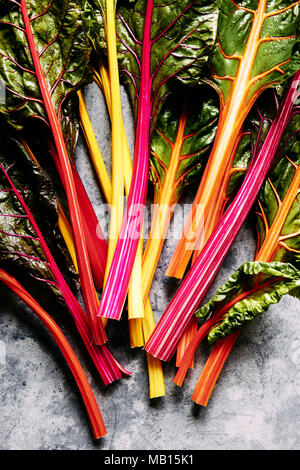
117 135
94 149
135 295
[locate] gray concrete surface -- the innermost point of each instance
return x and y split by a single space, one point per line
255 404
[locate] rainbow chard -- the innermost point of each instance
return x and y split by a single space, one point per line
158 41
24 250
279 241
44 46
247 59
193 289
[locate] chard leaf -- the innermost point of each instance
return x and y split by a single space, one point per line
181 37
63 51
21 252
273 26
278 205
252 289
181 142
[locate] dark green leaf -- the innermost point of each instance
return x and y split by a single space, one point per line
182 35
20 249
64 53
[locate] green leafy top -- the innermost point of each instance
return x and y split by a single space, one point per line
181 37
272 26
63 51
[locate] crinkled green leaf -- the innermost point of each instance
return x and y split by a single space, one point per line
199 118
263 284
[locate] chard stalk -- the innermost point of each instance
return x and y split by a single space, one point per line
94 415
94 149
117 194
113 298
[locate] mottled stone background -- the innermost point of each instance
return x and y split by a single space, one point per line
255 404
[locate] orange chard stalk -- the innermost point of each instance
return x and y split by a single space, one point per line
164 206
179 149
185 340
223 198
